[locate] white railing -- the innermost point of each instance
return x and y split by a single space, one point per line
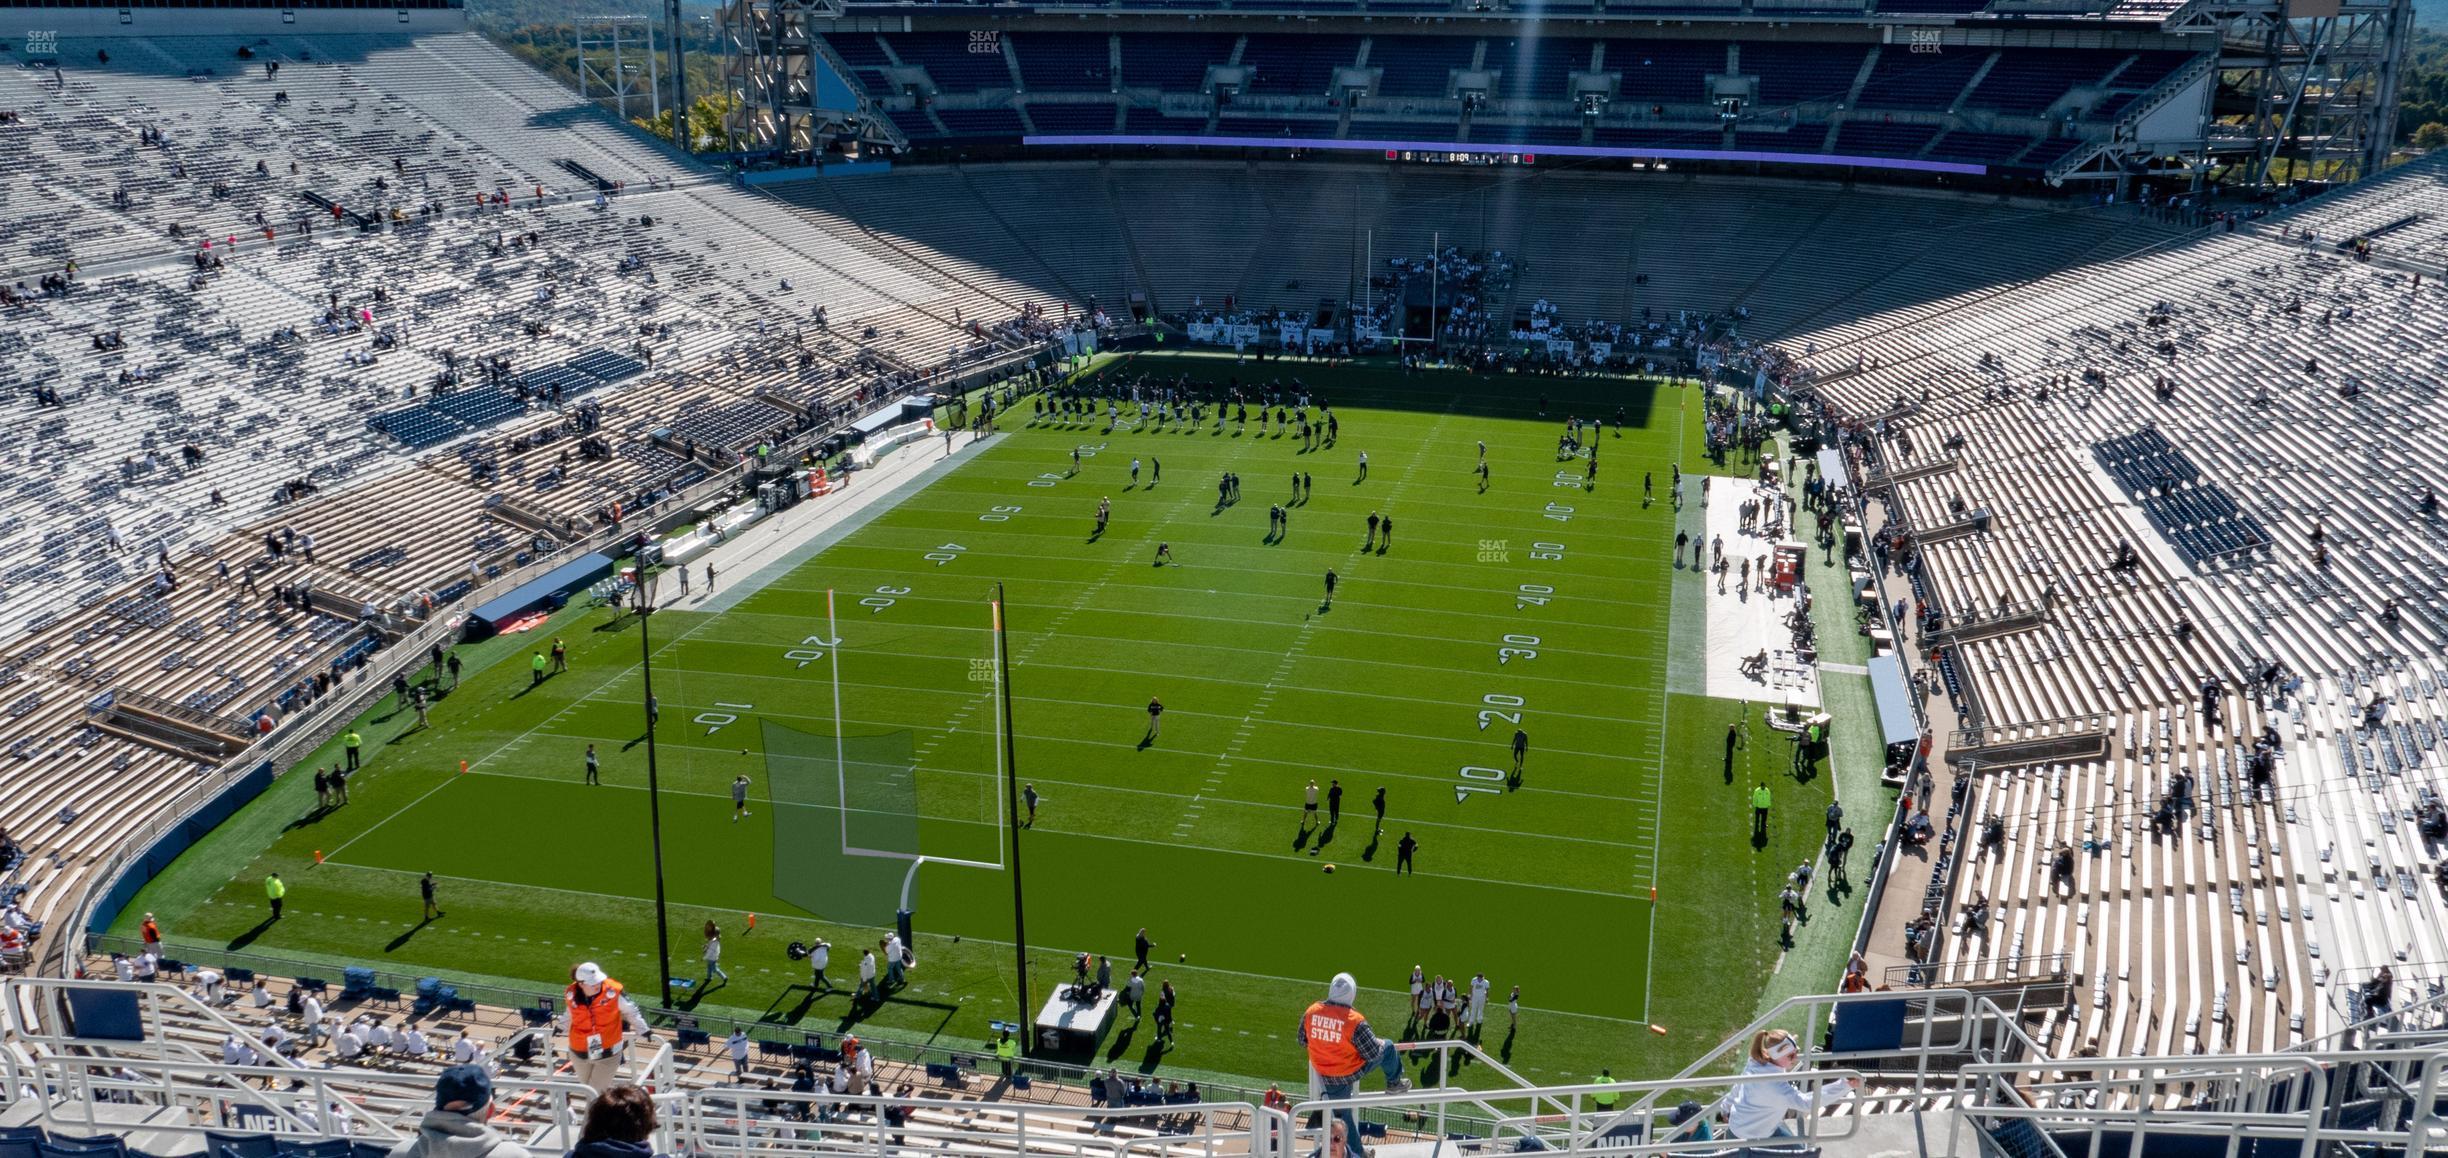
2115 1105
2380 1101
1579 1119
732 1122
80 1075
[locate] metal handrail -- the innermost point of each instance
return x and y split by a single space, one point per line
2030 968
2276 1097
1812 1017
1574 1122
734 1122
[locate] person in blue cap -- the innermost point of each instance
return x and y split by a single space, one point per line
455 1127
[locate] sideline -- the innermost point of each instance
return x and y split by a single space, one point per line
773 546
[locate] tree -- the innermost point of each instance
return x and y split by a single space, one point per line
706 128
2431 136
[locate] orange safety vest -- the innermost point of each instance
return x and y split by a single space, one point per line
1330 1029
599 1016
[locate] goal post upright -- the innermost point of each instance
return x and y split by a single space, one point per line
1011 811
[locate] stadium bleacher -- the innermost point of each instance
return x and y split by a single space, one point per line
2006 348
2165 397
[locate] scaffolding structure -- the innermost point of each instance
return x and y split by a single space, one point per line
2308 89
773 60
608 47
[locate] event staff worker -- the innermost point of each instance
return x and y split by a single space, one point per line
599 1013
1342 1048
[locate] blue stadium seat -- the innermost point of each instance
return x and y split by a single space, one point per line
1297 65
1422 66
321 1148
1175 62
955 62
220 1144
1091 118
98 1146
1064 61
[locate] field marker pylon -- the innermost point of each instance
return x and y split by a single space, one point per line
463 771
318 856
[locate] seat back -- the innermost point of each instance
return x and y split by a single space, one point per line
98 1146
222 1144
322 1148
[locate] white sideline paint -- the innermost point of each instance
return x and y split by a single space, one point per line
769 548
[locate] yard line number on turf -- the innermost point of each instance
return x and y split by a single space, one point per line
810 650
1503 707
715 721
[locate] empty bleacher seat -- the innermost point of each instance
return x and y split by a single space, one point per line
218 1144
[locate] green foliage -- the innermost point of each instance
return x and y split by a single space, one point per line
2431 135
546 35
2423 89
707 129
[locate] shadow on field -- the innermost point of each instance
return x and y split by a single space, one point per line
401 941
247 938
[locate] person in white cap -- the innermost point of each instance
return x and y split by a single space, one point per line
598 1013
1342 1048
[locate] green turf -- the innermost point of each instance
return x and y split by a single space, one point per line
1200 835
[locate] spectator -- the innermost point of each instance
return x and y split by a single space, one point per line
455 1127
1758 1109
620 1124
1342 1048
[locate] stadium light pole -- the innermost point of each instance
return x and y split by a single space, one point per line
654 786
1011 809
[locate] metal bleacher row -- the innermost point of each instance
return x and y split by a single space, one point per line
2293 409
376 1093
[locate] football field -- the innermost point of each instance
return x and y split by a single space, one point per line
1615 878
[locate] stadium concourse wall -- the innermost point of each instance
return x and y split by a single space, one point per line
181 833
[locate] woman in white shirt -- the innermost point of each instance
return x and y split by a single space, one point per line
1758 1110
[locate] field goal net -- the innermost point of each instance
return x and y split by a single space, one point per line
855 812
